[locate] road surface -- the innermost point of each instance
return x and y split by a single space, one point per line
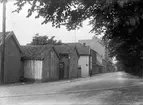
116 88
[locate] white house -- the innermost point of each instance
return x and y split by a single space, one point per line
102 54
97 45
84 58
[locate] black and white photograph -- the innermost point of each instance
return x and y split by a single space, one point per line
71 52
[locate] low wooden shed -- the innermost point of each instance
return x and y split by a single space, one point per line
68 61
12 58
41 63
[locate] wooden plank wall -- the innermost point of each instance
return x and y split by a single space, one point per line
50 66
33 69
73 65
12 62
54 66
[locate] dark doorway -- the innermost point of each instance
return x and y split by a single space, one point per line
61 72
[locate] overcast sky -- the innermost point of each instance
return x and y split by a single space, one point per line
25 28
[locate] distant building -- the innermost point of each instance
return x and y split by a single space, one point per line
97 45
96 65
84 58
102 55
68 61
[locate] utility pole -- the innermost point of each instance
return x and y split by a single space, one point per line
3 41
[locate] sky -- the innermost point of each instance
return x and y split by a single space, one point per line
25 28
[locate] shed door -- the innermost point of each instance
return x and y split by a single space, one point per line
61 72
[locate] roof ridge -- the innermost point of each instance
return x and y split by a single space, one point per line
35 52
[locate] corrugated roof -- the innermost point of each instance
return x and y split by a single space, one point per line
35 52
63 49
82 50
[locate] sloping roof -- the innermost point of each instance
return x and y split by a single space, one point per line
82 50
9 34
6 35
35 52
63 49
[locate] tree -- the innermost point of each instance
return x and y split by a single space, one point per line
43 40
121 20
73 12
